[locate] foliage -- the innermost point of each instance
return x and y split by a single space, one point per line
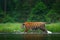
29 10
52 16
10 27
54 27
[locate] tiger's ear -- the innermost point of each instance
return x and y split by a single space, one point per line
22 26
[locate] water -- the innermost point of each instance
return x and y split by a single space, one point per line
27 36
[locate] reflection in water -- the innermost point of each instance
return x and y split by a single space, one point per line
19 36
34 36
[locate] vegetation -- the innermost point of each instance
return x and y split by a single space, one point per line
54 27
16 27
29 10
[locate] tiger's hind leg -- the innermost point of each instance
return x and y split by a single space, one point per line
43 29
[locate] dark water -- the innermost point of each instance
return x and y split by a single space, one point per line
13 36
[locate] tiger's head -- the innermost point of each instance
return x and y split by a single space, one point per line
23 25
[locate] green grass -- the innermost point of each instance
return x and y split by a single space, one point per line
54 27
11 27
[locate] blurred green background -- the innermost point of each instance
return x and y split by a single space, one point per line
29 10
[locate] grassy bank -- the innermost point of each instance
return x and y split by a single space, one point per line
12 27
54 27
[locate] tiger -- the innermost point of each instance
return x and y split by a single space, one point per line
34 26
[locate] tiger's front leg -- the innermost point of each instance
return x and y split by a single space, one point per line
26 30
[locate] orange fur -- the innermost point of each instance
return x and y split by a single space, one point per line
31 25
